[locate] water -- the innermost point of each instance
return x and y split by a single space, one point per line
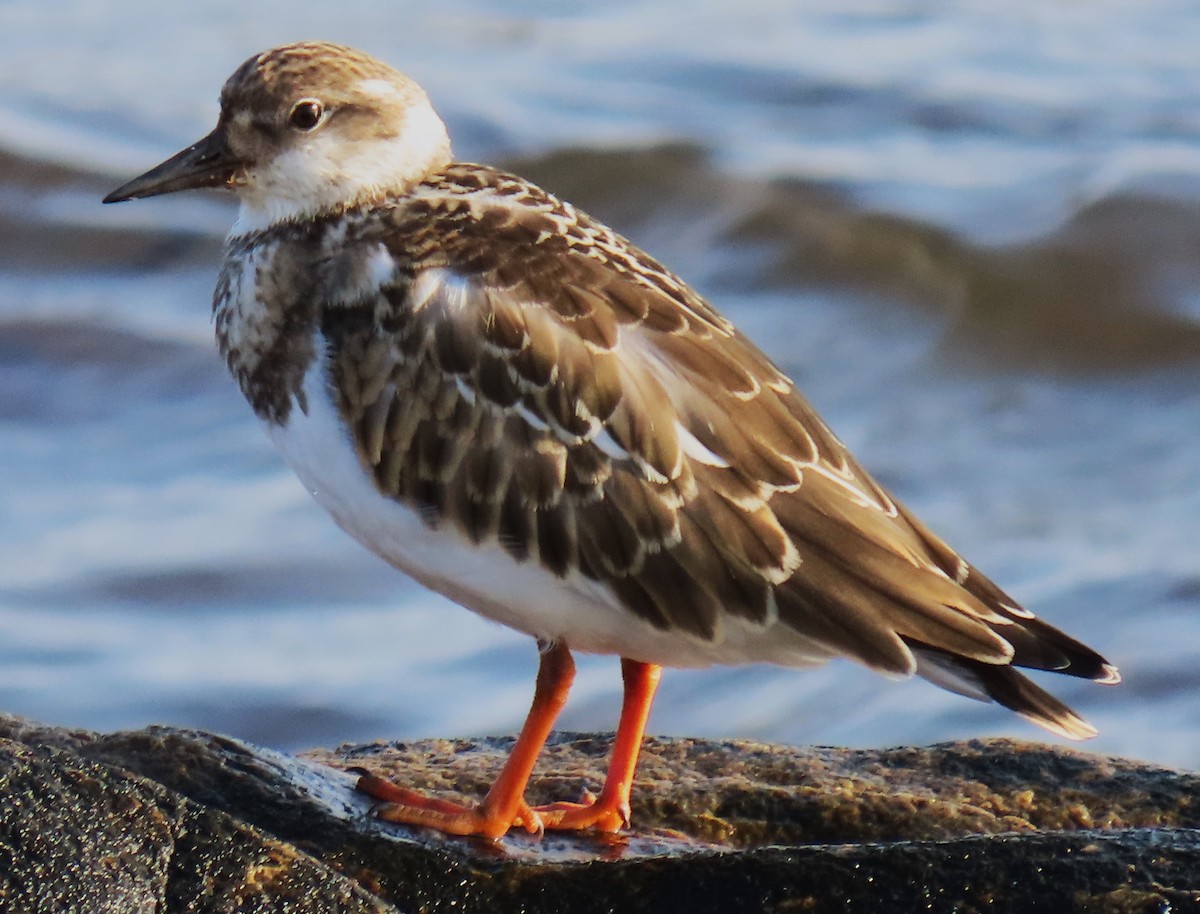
968 231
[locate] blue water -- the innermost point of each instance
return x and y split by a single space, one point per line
969 232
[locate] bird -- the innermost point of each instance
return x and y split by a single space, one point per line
508 401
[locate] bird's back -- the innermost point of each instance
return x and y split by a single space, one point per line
527 384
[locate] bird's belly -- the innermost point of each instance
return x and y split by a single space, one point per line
579 611
483 578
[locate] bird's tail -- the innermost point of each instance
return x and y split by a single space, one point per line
1008 687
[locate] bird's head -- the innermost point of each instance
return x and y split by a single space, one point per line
306 129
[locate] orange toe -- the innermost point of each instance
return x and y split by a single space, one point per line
408 807
504 807
604 815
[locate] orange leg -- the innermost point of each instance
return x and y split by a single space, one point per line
504 805
610 811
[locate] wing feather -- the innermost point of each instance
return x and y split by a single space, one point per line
533 379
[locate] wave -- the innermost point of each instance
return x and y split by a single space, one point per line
1109 290
51 219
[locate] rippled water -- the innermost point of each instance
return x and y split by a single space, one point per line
969 232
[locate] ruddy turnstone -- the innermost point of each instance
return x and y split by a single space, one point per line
511 403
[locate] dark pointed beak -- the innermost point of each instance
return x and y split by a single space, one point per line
208 163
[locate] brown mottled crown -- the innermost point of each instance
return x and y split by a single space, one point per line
371 133
300 68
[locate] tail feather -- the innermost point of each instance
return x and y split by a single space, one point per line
876 584
1005 686
1037 645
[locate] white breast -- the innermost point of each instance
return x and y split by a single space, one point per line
523 596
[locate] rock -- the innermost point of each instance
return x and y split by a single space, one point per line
171 821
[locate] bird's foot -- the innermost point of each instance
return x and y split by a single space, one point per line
408 807
606 814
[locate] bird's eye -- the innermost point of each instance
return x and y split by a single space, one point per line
306 114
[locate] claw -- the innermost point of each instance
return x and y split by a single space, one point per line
626 814
529 820
593 812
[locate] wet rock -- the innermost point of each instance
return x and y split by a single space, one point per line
169 821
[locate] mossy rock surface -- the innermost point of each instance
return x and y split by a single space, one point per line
169 820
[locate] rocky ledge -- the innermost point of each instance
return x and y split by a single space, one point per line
168 820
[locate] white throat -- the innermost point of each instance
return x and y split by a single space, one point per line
329 171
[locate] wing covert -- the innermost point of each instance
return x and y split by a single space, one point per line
531 378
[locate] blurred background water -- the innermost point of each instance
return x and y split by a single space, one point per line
969 230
